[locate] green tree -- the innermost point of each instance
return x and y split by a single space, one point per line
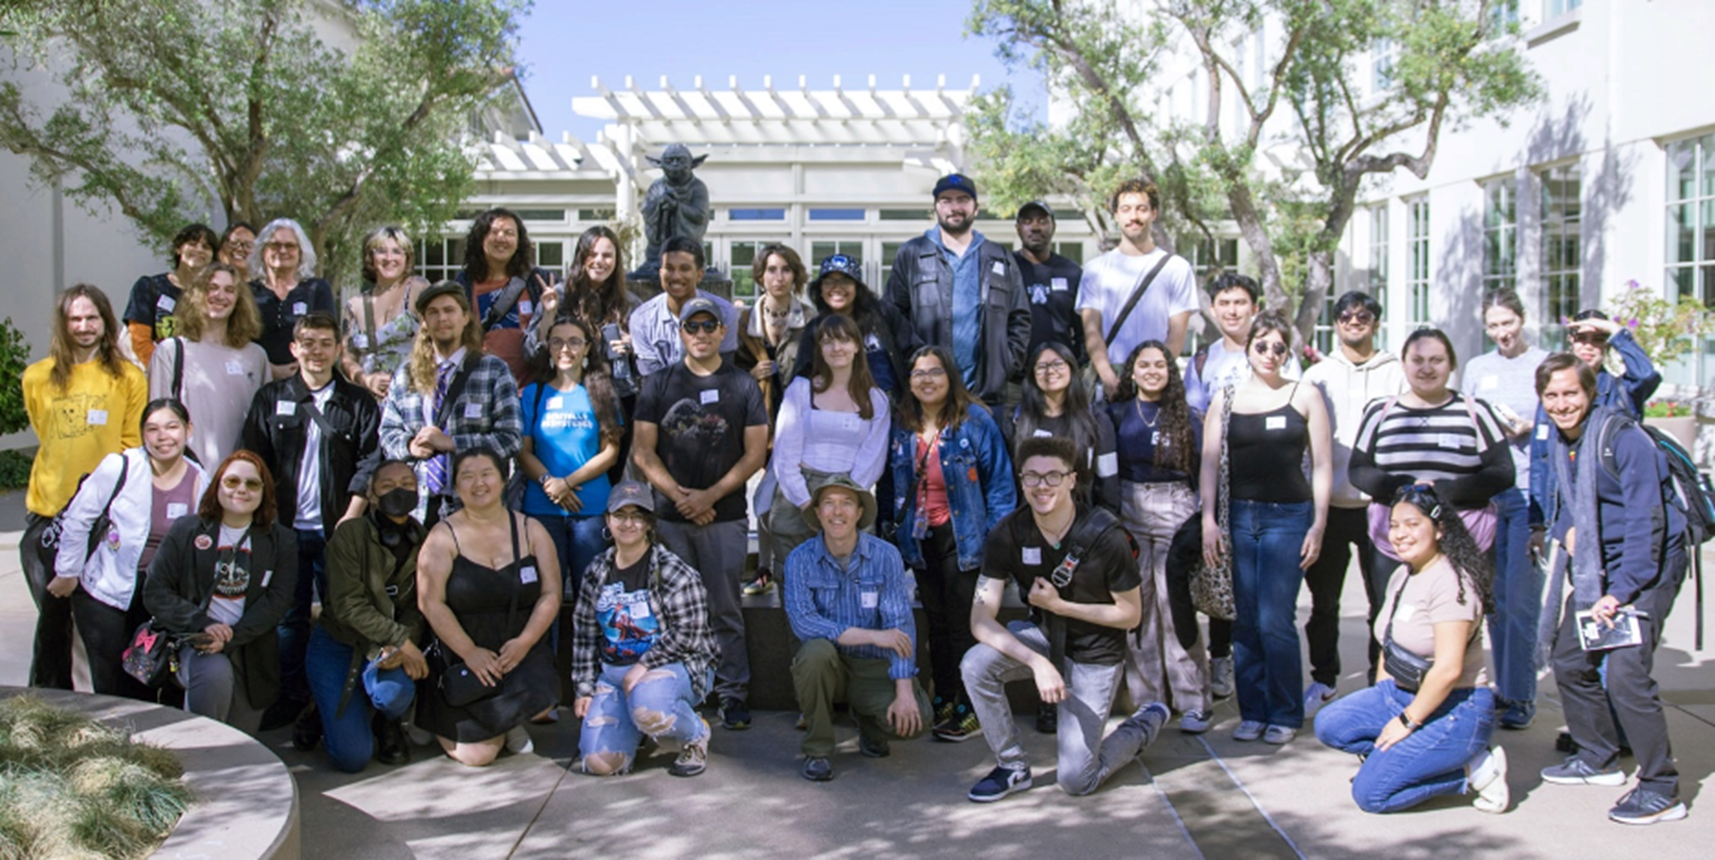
172 107
1441 64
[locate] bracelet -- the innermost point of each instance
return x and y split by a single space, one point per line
1406 721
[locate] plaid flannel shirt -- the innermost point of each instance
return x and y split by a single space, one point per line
679 602
495 422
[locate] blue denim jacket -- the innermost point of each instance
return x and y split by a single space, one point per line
979 485
1625 394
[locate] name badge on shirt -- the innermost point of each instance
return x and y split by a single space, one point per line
1542 432
1155 437
166 303
360 340
1041 433
1490 383
1108 465
998 268
472 411
712 395
1274 422
177 509
97 417
299 309
1058 285
556 402
1450 441
1031 555
235 368
285 407
1403 612
869 599
527 574
525 307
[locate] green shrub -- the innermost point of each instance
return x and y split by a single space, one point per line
15 469
14 357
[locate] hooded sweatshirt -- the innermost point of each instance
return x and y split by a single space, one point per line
1347 388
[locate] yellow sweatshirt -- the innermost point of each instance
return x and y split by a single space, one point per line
95 415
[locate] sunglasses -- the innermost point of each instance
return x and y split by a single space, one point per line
1591 338
233 482
703 327
1358 317
1279 349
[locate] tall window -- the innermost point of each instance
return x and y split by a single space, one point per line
741 256
1418 241
1202 255
1691 235
1378 262
1562 249
1500 233
1384 55
440 259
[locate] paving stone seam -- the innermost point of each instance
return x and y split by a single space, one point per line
1173 811
1214 756
566 768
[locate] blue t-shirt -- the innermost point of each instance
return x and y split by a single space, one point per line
967 300
626 615
565 435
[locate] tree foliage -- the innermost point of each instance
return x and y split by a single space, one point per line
339 114
1280 146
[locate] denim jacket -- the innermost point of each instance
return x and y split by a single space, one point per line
980 492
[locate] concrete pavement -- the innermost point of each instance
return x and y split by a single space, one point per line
1192 797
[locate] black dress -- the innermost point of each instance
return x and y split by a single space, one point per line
493 606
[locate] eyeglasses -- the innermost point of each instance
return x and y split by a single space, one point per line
632 517
1265 347
241 247
929 373
558 343
704 327
233 482
1358 317
1038 479
281 247
1055 366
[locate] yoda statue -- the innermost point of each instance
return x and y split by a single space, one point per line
677 204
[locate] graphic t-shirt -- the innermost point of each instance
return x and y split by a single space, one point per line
1016 550
564 435
231 576
702 420
626 614
154 299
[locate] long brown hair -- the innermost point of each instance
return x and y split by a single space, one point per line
242 327
423 361
839 327
959 400
597 379
599 303
209 508
59 346
1173 419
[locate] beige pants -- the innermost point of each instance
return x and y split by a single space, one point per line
1160 670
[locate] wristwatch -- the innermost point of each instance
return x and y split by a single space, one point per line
544 479
1406 721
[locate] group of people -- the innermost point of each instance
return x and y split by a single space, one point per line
441 465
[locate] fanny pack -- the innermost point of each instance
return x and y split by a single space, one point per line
1404 667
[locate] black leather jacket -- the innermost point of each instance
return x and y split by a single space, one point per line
921 288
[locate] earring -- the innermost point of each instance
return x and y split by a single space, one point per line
585 363
606 536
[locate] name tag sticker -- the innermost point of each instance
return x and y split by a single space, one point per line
1031 555
177 509
1404 612
235 368
1274 422
360 340
869 599
1108 465
166 303
998 268
473 410
1058 285
299 309
1450 441
556 402
1542 432
285 407
712 395
1041 433
525 307
1155 437
98 417
527 574
1490 383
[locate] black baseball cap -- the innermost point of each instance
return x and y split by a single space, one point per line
954 182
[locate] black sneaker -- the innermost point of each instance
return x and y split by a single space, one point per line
1047 718
1000 782
390 745
817 769
307 728
961 726
1642 806
1575 771
735 714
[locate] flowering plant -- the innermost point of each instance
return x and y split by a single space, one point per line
1667 409
1665 330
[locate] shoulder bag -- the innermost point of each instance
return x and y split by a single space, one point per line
1212 587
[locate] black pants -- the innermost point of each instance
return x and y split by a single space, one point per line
50 661
1348 534
1634 694
946 592
106 632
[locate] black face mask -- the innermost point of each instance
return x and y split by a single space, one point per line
397 502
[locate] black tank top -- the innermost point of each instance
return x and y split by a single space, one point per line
1265 455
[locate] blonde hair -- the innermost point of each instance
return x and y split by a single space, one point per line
423 361
245 324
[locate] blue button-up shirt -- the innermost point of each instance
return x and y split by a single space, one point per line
967 300
823 600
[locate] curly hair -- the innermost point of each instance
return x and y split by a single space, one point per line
476 258
1456 542
604 302
242 327
1136 186
1174 420
597 379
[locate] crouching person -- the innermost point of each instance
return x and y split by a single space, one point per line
848 601
363 658
1077 569
642 652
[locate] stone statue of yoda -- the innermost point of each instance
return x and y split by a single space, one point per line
677 204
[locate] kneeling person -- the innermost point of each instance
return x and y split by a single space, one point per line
847 599
1077 569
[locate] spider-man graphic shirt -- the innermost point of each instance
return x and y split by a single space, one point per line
627 615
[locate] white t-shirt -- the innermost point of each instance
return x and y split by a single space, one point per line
1108 284
309 514
1222 368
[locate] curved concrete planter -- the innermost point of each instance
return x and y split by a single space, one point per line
246 801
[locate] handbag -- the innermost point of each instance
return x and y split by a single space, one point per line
153 655
1212 587
1405 668
460 687
1480 522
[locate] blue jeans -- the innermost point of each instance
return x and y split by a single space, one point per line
577 540
659 706
1267 669
1429 762
294 629
1518 601
347 734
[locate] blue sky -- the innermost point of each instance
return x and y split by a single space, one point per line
565 43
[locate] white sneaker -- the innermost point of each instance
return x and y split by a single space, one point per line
1221 677
1194 722
1317 695
518 741
1278 735
1248 730
1486 777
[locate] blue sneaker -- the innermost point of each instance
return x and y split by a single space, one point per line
1642 806
1000 782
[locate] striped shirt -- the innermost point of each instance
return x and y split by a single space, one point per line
1450 442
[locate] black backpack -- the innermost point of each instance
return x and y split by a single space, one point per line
1685 488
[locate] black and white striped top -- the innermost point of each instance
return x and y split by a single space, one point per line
1457 445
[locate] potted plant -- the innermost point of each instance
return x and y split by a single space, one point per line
1667 331
1675 417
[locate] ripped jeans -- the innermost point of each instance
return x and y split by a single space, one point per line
660 706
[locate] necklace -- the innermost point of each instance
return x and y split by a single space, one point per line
1059 535
1147 422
